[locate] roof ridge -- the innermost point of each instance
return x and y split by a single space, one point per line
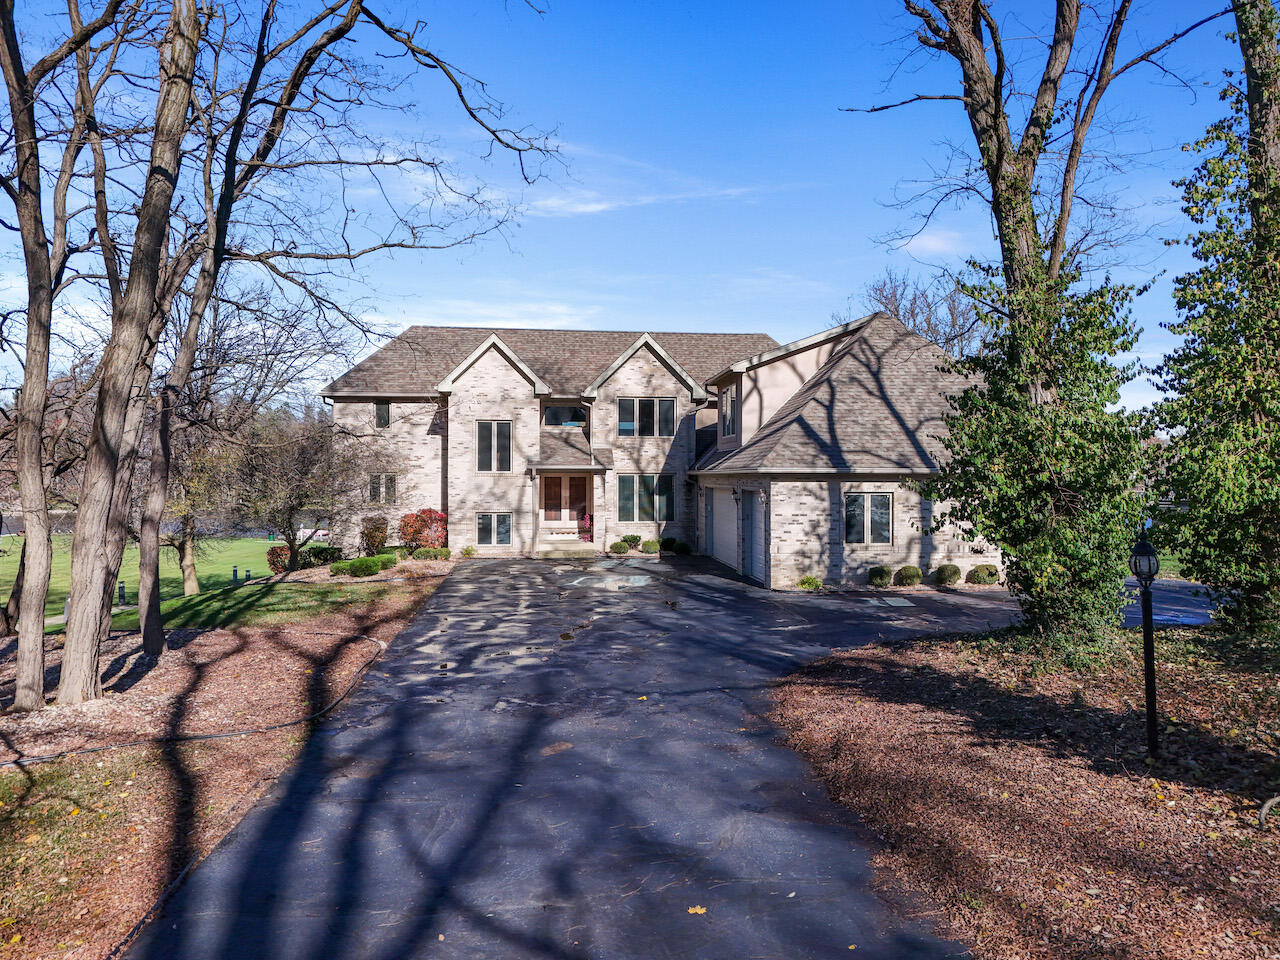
635 333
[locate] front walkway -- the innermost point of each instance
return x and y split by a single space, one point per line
565 760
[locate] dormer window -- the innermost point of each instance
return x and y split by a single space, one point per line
564 417
729 411
382 415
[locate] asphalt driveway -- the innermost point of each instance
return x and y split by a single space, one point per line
566 760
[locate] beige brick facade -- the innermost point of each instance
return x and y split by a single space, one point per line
807 424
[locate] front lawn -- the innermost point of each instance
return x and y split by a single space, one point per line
1016 794
213 568
258 604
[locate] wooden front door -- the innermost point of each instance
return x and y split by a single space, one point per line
577 497
551 496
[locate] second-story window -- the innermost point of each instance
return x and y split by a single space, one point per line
729 411
382 488
493 446
382 415
565 417
646 417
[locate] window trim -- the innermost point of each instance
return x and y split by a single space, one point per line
493 527
494 459
866 496
637 485
380 407
657 417
586 415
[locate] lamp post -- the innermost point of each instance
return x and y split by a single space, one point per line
1145 564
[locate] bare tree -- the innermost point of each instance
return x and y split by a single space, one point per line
938 310
1029 133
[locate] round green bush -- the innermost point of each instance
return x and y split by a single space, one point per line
682 548
908 576
650 546
424 553
364 566
632 540
386 560
810 583
339 568
619 547
984 574
879 576
443 553
320 554
946 575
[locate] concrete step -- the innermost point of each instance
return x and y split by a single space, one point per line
567 550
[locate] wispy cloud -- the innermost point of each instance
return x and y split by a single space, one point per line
938 242
579 202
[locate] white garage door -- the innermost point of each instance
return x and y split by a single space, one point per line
724 538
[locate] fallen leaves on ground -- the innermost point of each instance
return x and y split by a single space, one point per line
1021 802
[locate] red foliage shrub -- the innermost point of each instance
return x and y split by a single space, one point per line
424 528
373 535
278 558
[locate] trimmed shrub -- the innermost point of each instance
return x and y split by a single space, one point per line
682 548
812 584
651 546
339 568
320 554
908 576
879 576
373 535
363 566
468 551
424 528
632 540
443 553
984 574
431 553
946 575
619 547
278 558
387 560
668 543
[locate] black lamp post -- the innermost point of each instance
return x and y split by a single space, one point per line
1144 564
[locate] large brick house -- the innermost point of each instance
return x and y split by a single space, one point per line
779 461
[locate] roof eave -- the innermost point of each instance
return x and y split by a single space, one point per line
795 346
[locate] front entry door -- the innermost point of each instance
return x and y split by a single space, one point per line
564 499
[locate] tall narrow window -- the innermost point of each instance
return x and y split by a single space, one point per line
881 518
626 417
493 446
382 415
644 417
855 518
626 497
666 418
729 411
664 501
644 497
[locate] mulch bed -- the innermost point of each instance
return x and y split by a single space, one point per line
1021 803
87 843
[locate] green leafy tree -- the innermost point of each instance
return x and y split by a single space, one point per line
1223 458
1041 463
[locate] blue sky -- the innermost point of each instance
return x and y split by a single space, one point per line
712 182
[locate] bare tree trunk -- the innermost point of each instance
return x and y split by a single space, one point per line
1257 23
187 556
93 574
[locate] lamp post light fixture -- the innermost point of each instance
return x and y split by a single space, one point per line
1144 564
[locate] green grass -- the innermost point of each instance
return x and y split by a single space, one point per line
258 604
213 568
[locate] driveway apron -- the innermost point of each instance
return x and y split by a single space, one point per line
565 760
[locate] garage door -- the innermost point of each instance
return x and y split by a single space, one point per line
724 539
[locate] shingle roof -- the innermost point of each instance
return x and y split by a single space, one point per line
877 404
568 446
568 360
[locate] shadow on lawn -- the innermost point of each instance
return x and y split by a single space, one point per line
1110 742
